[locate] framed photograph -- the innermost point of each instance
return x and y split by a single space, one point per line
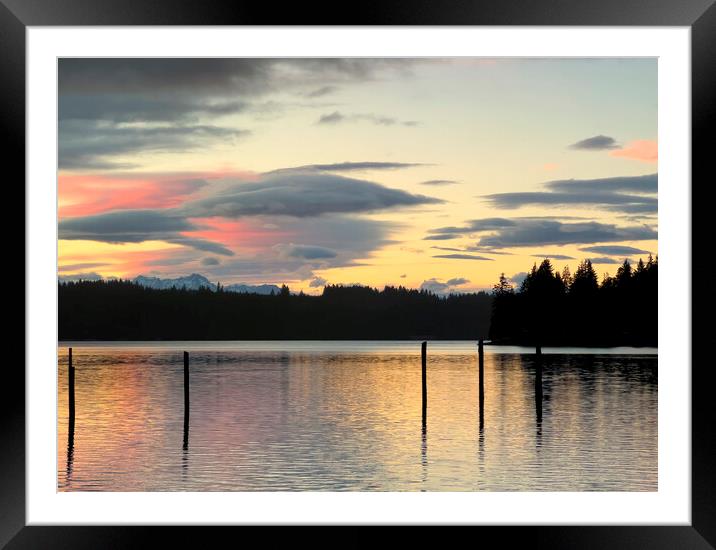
427 265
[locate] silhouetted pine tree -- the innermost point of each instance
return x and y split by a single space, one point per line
576 310
503 286
566 278
503 308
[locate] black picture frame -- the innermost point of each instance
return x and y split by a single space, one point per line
699 15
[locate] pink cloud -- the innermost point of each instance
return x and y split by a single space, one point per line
237 234
644 150
83 195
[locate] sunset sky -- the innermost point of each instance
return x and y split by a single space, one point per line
432 173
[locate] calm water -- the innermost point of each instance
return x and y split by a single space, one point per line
337 416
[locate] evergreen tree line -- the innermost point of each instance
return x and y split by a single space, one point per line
553 308
122 310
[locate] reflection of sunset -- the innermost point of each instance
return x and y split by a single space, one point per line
274 420
112 406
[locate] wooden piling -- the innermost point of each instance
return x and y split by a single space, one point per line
185 444
481 369
186 385
538 386
71 386
424 353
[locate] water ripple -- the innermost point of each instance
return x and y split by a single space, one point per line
303 416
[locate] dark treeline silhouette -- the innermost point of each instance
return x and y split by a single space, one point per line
122 310
553 308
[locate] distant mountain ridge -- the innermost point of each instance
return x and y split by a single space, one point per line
197 282
189 282
252 289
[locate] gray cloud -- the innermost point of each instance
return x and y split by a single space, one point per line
471 248
128 108
220 76
336 117
317 282
307 252
303 195
210 261
614 201
614 194
434 286
540 232
596 143
352 238
332 118
438 183
123 225
296 196
448 248
347 167
553 256
604 260
142 75
647 183
462 257
614 250
89 145
97 96
475 226
134 226
517 278
200 244
486 250
322 91
648 208
443 288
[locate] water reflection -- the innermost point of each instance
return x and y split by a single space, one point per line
538 400
70 446
324 420
71 414
481 434
424 449
185 445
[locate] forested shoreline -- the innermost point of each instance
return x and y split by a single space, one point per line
558 308
122 310
548 308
